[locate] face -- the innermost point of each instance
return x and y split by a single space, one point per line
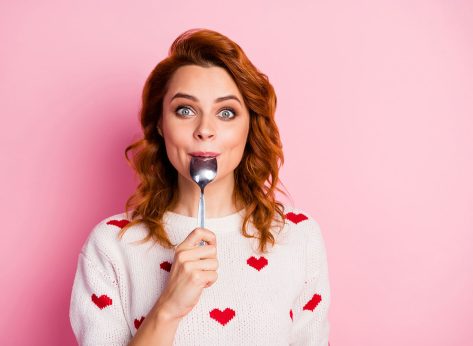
204 113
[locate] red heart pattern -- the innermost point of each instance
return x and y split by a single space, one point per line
296 218
222 317
311 304
102 302
138 322
118 223
165 266
258 264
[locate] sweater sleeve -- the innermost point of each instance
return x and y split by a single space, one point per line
96 312
310 309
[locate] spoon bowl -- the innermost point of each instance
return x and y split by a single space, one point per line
203 170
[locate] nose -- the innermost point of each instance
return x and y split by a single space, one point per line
205 129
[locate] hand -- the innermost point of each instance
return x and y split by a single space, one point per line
194 268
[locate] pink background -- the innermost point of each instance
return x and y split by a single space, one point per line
375 110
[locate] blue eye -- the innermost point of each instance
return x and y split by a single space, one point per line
184 108
228 115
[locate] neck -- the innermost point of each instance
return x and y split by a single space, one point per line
218 198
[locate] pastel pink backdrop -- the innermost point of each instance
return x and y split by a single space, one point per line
375 111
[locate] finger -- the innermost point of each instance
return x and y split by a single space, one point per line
205 277
209 277
203 265
197 235
197 253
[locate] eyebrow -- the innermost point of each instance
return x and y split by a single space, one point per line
193 98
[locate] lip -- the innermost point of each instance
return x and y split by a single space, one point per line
204 154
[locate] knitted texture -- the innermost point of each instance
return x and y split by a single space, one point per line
278 298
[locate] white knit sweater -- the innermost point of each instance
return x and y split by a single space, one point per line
279 298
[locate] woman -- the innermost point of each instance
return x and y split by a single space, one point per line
262 278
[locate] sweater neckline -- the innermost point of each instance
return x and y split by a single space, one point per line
222 224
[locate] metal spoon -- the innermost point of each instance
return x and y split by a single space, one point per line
202 170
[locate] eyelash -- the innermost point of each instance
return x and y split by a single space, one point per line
223 109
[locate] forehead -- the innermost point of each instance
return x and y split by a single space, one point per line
202 82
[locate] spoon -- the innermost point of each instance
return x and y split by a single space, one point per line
202 170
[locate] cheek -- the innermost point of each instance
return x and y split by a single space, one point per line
236 137
176 135
175 149
235 145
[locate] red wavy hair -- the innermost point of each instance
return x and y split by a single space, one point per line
257 175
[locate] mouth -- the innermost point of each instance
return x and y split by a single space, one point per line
204 154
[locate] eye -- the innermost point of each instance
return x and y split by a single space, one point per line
185 111
228 113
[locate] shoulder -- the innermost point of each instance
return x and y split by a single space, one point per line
301 221
309 232
104 240
300 218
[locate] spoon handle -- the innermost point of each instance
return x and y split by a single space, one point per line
201 215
